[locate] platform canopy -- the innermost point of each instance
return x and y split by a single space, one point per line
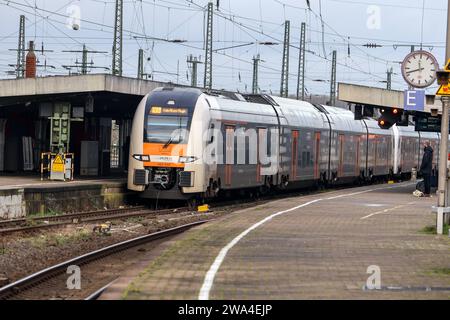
16 91
365 95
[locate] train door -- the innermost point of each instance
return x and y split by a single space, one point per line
294 157
375 151
229 153
388 144
341 155
317 156
262 137
357 156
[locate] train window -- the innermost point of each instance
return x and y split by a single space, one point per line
166 129
230 145
306 160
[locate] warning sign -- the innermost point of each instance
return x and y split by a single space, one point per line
58 164
444 90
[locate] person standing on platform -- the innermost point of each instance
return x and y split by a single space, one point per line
426 167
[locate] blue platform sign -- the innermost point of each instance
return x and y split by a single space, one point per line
414 100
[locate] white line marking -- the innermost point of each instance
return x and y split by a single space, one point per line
350 194
365 191
209 278
386 210
211 274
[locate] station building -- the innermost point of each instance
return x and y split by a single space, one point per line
87 115
99 109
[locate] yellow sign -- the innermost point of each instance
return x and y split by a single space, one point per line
444 90
58 164
167 110
155 110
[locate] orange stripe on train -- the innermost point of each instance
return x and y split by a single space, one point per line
157 149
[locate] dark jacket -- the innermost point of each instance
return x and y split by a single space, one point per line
427 161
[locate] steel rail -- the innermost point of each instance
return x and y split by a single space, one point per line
90 217
19 286
67 216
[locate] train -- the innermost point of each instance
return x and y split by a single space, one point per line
187 143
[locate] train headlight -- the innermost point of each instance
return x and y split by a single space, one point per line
141 157
186 159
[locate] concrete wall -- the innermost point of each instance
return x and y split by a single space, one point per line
19 203
12 204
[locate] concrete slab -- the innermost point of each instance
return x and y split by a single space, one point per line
320 250
14 181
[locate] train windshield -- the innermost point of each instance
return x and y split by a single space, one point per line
166 129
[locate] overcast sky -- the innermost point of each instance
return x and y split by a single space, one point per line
237 22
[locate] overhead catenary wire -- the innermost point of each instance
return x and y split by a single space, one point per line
242 27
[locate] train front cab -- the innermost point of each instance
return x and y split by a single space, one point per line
166 145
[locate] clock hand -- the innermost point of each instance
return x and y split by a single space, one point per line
420 69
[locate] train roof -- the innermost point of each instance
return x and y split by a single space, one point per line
296 112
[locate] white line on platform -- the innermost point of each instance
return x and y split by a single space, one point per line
211 274
387 210
370 190
209 278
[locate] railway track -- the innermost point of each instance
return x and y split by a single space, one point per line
67 216
44 222
218 207
53 279
37 223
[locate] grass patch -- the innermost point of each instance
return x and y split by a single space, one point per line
32 222
60 239
432 229
49 213
135 219
52 213
441 271
131 289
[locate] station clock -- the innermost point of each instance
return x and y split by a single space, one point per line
419 69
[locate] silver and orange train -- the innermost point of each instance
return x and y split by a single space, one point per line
187 144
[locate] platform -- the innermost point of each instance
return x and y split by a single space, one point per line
310 247
24 195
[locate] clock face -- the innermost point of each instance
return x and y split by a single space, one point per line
419 69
